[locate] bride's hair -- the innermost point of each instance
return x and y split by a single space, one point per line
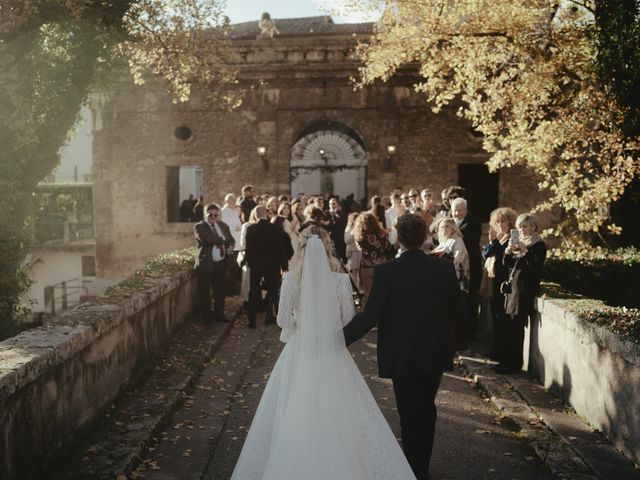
313 230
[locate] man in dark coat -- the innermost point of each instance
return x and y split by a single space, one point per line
214 242
336 228
413 301
266 258
246 202
471 232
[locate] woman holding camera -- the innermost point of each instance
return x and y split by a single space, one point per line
524 257
501 221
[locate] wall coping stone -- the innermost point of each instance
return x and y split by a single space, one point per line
30 354
599 335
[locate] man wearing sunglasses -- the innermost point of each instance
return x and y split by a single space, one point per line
214 243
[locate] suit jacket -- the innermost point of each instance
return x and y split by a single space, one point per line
414 300
264 247
246 205
336 232
205 240
471 232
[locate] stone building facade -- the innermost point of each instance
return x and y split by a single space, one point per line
301 106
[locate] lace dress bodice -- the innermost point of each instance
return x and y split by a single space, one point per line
290 296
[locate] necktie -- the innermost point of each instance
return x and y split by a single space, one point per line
220 248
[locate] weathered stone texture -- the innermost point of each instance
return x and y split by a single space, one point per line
593 369
136 144
55 380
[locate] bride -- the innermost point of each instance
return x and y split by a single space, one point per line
317 419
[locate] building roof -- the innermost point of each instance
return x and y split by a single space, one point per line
293 27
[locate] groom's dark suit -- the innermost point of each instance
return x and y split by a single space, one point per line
413 301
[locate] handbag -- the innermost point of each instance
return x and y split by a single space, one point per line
506 287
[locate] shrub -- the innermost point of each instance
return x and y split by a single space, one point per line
610 276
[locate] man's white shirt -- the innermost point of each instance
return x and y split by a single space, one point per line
215 252
232 219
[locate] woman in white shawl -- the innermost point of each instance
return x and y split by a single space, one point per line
452 245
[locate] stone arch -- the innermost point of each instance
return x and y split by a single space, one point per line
329 158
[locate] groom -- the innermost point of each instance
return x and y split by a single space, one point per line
413 301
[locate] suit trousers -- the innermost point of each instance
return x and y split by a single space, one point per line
499 327
208 281
415 399
272 285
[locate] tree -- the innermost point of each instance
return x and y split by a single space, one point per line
527 75
53 53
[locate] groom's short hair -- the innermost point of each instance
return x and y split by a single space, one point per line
412 230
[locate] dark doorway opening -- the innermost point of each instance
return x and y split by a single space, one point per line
482 189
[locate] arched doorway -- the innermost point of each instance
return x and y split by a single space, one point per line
329 159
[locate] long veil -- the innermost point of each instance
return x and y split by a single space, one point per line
319 326
316 424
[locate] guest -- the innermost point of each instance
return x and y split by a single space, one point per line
471 231
284 227
286 211
336 228
406 202
414 197
312 216
429 207
214 242
501 221
373 242
272 205
319 202
391 216
290 224
452 246
376 208
456 191
198 210
443 212
524 259
246 202
186 209
266 259
244 282
297 211
229 215
351 251
347 204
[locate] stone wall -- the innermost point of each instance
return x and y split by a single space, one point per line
591 368
57 379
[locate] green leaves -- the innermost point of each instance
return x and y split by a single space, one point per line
53 54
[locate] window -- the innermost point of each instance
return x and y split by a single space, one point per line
184 187
88 266
182 133
482 189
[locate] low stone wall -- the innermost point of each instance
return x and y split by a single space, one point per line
591 368
55 380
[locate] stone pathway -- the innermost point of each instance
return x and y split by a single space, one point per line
188 419
205 438
571 449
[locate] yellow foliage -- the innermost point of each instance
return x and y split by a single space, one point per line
524 71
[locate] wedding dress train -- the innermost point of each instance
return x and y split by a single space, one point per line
317 419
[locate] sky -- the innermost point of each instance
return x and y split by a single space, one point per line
249 10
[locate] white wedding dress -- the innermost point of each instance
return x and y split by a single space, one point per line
317 419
